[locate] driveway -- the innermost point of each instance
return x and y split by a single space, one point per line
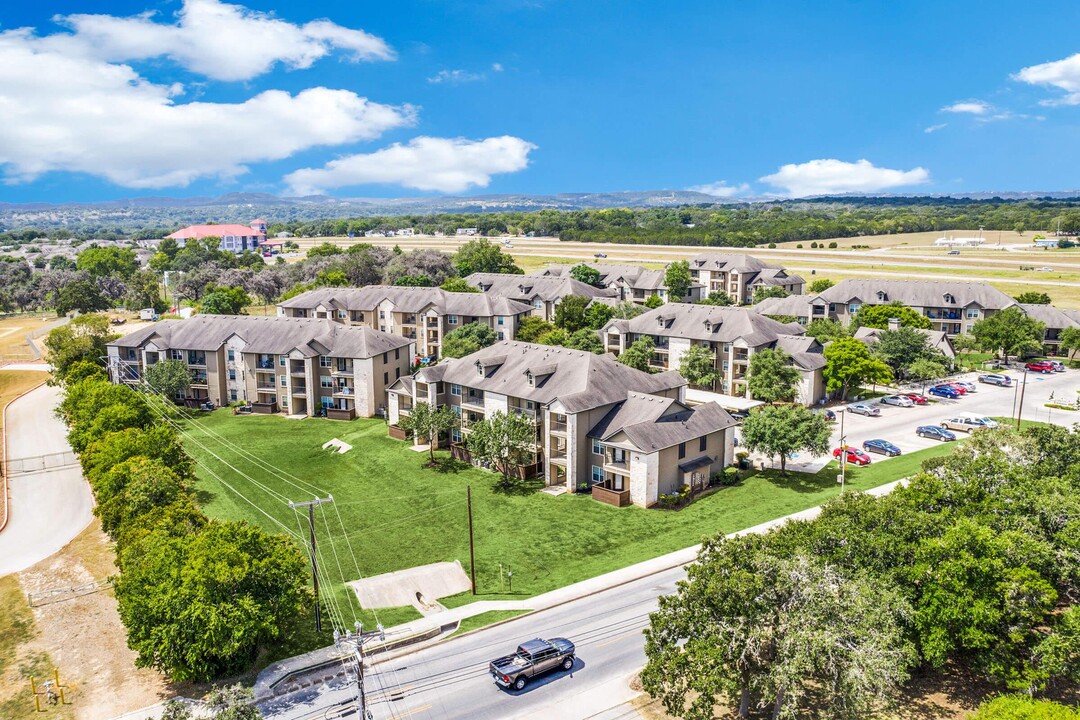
47 507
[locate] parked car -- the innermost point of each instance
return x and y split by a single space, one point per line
600 255
968 386
958 387
532 659
996 379
917 398
1040 366
883 447
1058 365
945 391
864 409
855 456
986 421
898 400
934 433
963 422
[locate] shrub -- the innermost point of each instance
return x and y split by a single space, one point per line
832 246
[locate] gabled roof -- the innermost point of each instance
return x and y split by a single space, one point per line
652 423
794 305
726 262
579 380
204 231
270 335
1050 316
408 299
526 287
707 322
935 339
919 293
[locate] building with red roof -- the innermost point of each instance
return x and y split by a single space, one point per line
234 238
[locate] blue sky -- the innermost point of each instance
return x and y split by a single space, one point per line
121 98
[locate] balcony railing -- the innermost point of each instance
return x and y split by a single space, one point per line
343 391
620 466
341 371
524 412
299 389
266 387
198 379
558 426
264 365
558 453
473 400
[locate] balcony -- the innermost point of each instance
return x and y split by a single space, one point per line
433 322
472 399
196 359
265 387
408 320
557 426
618 498
341 371
616 465
264 365
299 389
558 455
198 379
525 412
343 392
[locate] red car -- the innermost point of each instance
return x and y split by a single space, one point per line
917 398
855 456
1042 366
957 387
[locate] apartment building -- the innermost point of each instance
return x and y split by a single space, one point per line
935 339
590 413
298 366
733 334
739 275
542 294
632 282
233 238
1055 321
421 314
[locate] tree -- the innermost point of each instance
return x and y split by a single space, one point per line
532 328
1070 340
82 295
964 343
467 339
234 702
878 316
1033 298
819 286
168 377
757 629
698 366
503 440
598 314
654 301
639 354
226 301
456 284
718 297
480 256
848 363
202 606
587 340
326 249
825 330
82 339
134 488
1022 707
900 348
85 370
414 281
761 292
555 336
772 376
926 370
1010 332
780 430
585 274
570 313
143 291
677 280
428 423
98 262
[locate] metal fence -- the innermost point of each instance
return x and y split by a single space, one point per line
54 595
41 463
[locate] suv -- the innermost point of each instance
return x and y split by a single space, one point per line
996 379
965 423
1043 366
1058 365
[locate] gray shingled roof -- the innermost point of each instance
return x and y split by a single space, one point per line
730 261
270 335
917 293
794 305
708 322
937 339
1051 316
580 380
408 299
635 276
653 423
526 287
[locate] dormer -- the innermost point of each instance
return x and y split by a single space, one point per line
524 289
950 299
485 366
536 376
660 321
882 296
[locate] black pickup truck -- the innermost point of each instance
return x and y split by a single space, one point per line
532 659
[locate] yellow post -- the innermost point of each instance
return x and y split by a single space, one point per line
62 700
56 676
37 702
33 687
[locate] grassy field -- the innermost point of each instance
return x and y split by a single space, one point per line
13 331
20 657
399 514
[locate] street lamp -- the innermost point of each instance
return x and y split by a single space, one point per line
843 451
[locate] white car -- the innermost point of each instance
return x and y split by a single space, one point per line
898 400
969 387
1044 269
981 420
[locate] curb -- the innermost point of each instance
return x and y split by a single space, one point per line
4 457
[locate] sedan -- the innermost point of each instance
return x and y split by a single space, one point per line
600 255
1042 366
968 387
917 398
898 400
945 391
934 433
855 456
996 379
883 447
864 409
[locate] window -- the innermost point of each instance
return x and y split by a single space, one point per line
386 378
500 321
455 435
232 355
282 380
382 314
703 442
342 314
973 313
232 374
281 361
597 475
682 450
176 354
969 327
455 389
326 382
529 378
596 449
232 395
327 402
397 373
538 303
325 361
949 299
397 354
854 308
500 335
451 319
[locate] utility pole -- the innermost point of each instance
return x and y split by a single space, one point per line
1020 412
310 505
355 643
843 452
472 551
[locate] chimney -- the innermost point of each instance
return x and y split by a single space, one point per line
894 323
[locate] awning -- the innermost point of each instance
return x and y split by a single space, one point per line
695 464
728 402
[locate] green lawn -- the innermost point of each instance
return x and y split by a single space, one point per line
400 514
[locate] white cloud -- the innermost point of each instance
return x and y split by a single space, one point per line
720 188
971 107
66 112
454 77
215 39
1061 74
935 128
497 67
424 163
830 177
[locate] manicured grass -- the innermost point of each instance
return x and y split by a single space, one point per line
484 619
